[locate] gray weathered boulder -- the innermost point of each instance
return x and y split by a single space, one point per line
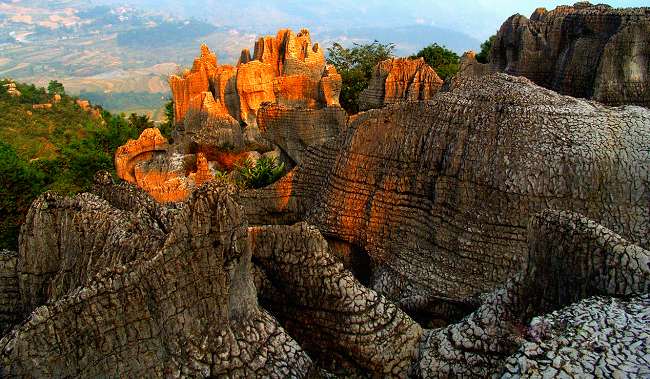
588 51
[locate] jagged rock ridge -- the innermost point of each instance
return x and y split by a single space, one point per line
401 79
226 115
590 51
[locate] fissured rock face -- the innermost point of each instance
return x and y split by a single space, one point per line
436 189
121 303
285 69
400 79
588 51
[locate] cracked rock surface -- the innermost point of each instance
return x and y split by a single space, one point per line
187 310
439 193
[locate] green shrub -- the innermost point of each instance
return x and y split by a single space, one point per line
355 65
444 61
54 87
486 50
260 174
21 183
167 127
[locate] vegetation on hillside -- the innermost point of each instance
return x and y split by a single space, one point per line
355 65
444 61
57 149
486 49
124 100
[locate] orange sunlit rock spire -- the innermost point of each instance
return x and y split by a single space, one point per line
285 69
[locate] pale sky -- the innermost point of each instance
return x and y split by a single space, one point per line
476 18
481 18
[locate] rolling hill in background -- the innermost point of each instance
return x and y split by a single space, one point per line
121 55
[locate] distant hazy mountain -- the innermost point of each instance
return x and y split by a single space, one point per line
329 21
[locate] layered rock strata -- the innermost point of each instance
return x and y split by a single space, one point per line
294 130
588 51
400 79
189 309
439 193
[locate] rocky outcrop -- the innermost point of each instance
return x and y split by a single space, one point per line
42 106
571 258
469 67
439 193
12 90
400 79
286 69
226 115
105 236
294 130
327 310
144 148
187 309
589 51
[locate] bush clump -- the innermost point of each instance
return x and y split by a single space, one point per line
444 61
355 65
259 174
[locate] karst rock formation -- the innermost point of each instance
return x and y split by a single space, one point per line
400 79
227 114
589 51
498 229
492 228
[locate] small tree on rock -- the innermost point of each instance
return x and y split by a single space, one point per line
486 50
444 61
355 66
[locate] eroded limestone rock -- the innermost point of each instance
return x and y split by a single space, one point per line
135 151
294 130
439 193
326 309
286 69
571 258
400 79
189 309
217 110
588 51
